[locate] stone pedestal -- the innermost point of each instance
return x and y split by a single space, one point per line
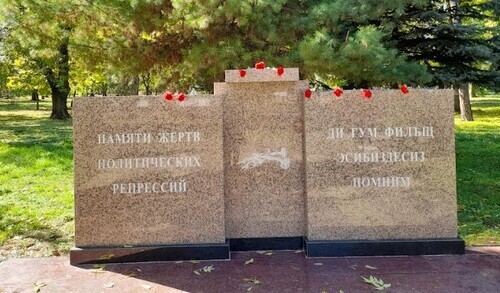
257 166
148 173
380 169
263 158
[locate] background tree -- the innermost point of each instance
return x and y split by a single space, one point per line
453 42
195 41
45 32
144 46
26 78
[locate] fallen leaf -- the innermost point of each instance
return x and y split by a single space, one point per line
197 272
252 281
180 261
139 270
269 253
109 285
98 271
131 275
324 291
249 289
341 291
38 286
378 284
128 246
99 266
147 287
194 261
250 261
107 256
298 251
318 264
353 267
208 269
370 267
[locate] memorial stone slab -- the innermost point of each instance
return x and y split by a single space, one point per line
380 168
263 153
148 172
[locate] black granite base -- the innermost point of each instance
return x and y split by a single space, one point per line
384 247
273 243
102 255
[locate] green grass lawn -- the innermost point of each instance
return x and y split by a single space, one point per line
36 178
478 173
36 181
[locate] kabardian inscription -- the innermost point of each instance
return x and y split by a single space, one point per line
388 157
361 154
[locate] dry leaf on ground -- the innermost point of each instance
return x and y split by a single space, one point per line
252 281
109 285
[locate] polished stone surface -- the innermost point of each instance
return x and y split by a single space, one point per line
262 75
263 158
183 143
419 203
283 271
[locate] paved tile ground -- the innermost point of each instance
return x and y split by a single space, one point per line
284 271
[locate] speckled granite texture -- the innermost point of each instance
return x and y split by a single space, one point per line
116 215
262 75
341 207
263 158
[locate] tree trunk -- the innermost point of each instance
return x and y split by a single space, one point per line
456 99
146 81
463 88
465 107
59 106
134 85
59 83
34 95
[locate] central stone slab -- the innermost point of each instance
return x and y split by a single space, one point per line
263 118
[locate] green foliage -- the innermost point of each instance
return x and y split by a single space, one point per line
25 77
193 42
362 59
458 45
178 44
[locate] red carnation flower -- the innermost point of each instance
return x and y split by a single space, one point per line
338 92
367 94
260 65
280 71
243 72
168 96
181 97
404 89
308 93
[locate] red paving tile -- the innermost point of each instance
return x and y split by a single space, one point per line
284 271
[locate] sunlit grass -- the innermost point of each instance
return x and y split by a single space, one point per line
36 175
478 172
